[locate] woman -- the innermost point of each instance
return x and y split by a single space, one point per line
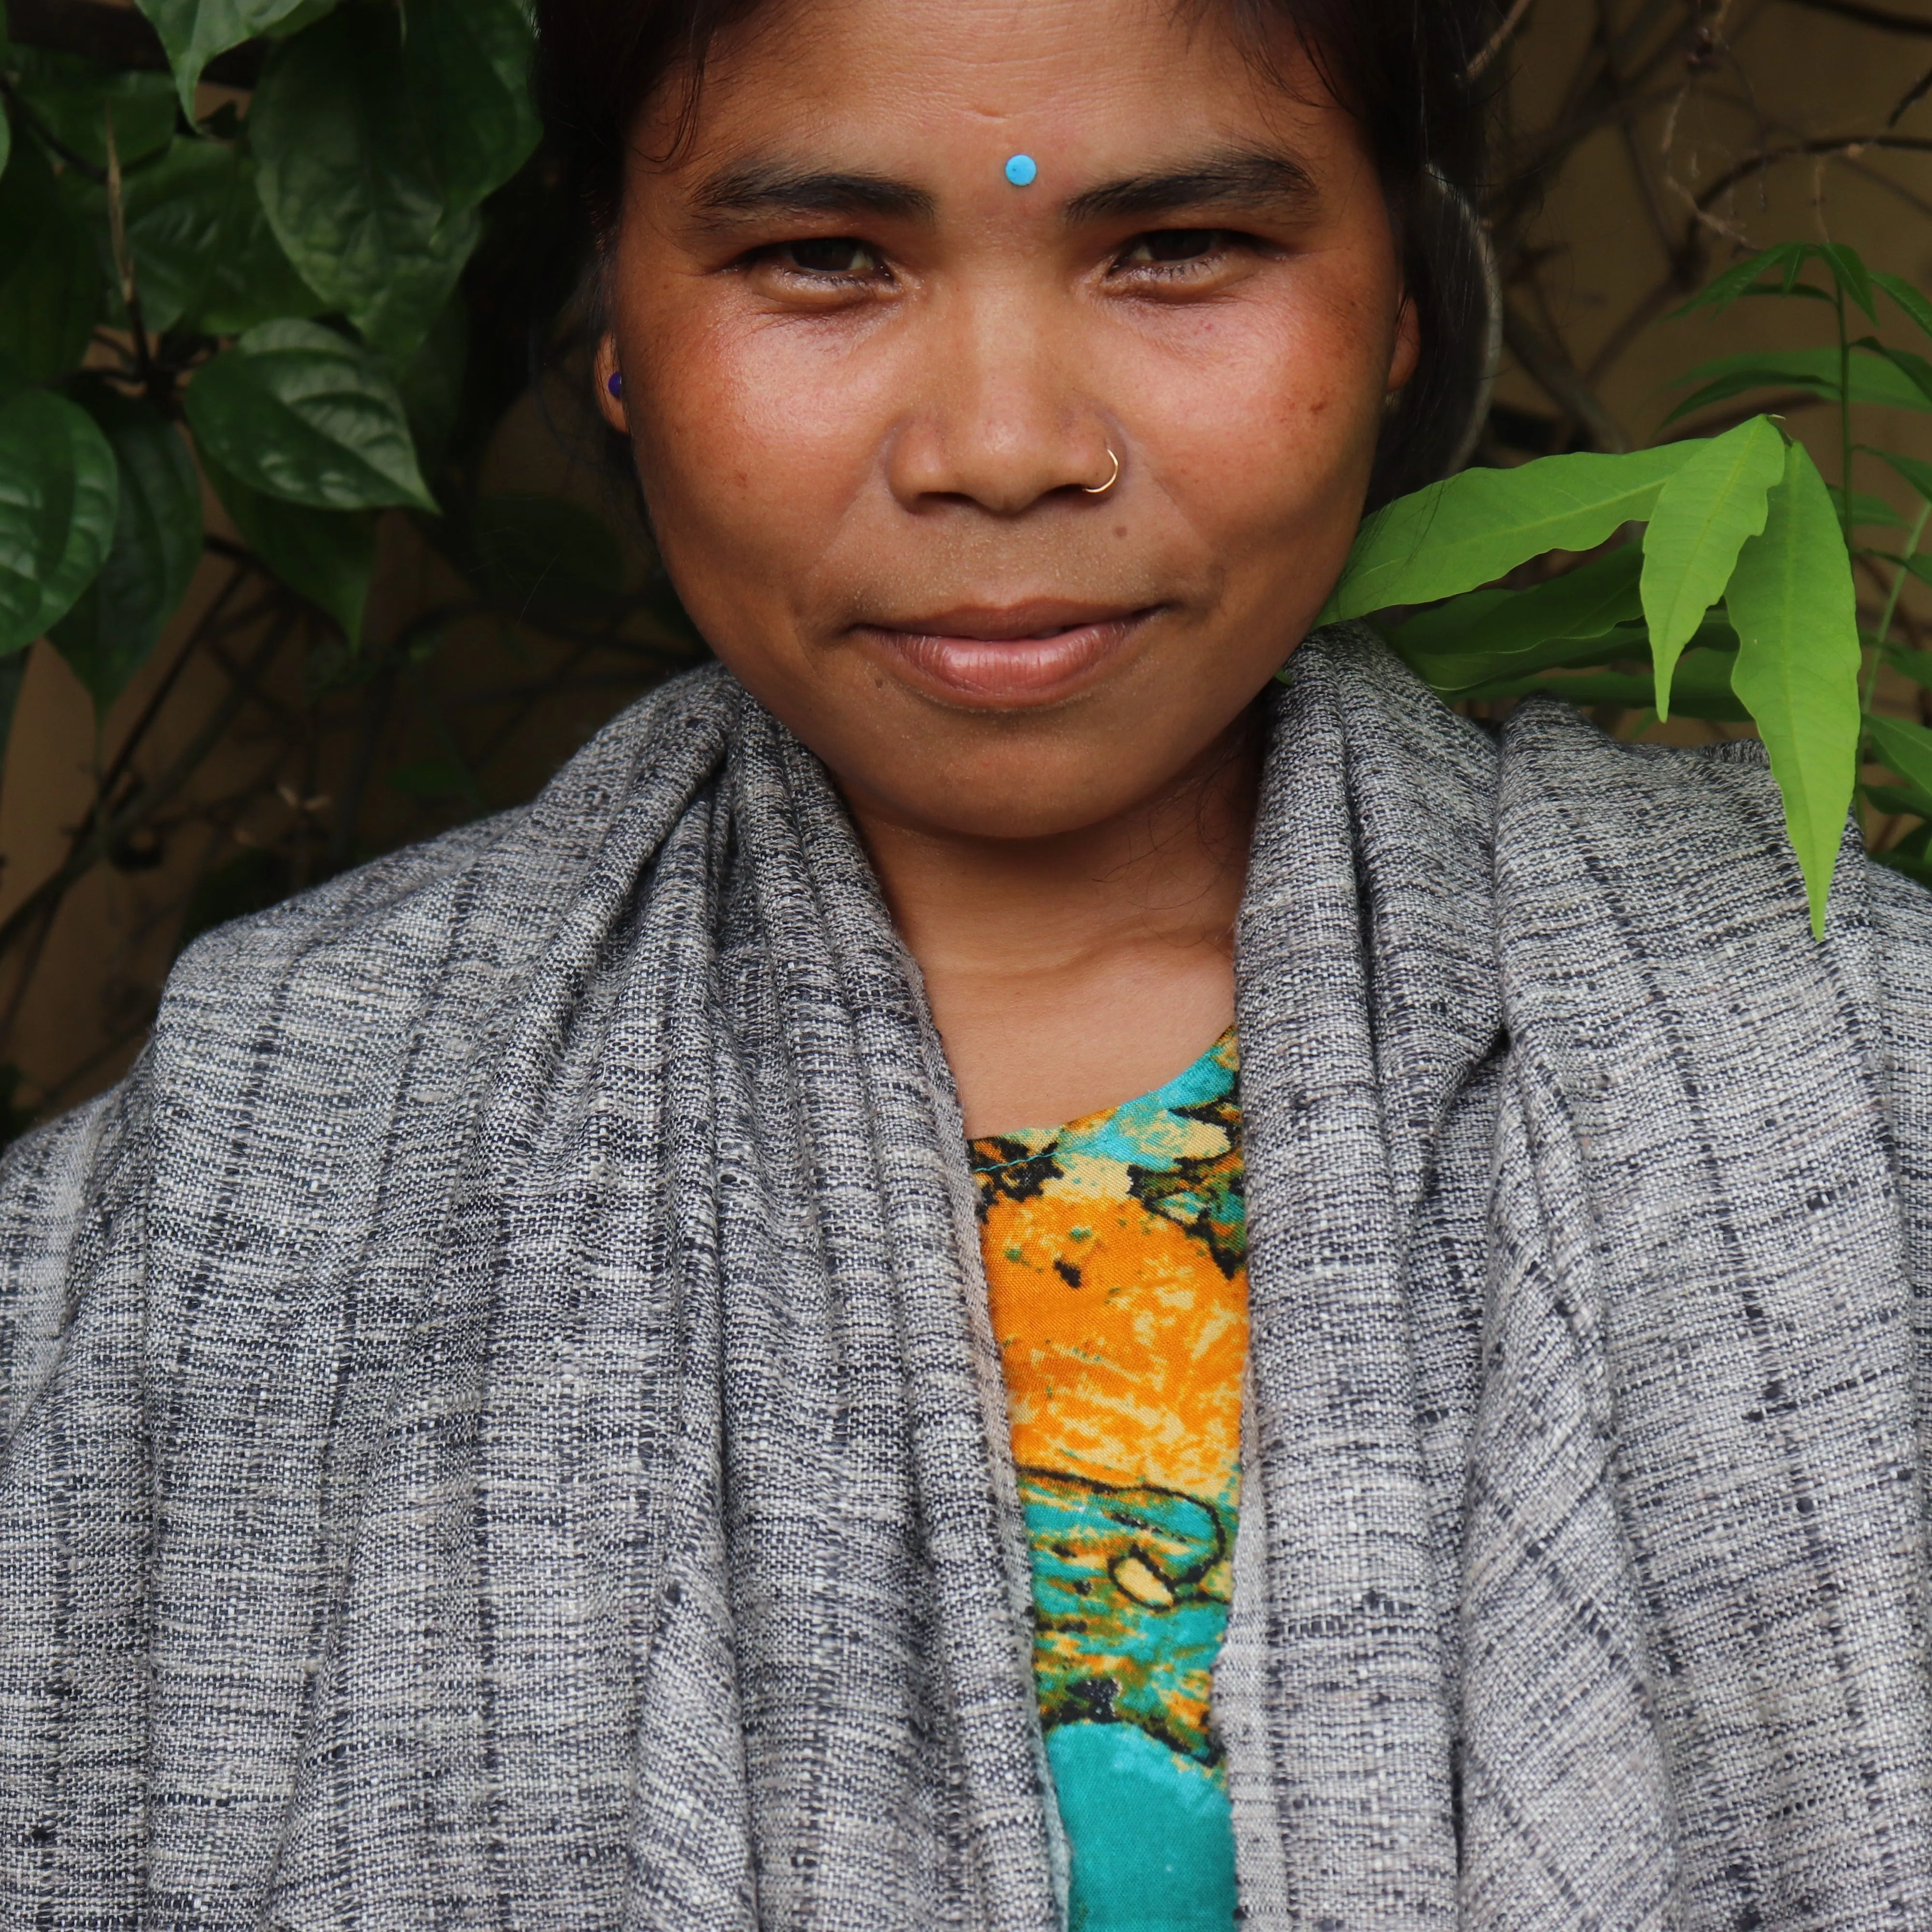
984 1275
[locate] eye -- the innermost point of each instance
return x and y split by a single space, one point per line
830 255
1176 247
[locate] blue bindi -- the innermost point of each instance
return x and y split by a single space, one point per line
1022 170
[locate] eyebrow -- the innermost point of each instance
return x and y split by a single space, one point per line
763 189
1249 177
1240 177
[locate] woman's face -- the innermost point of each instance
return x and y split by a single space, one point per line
869 381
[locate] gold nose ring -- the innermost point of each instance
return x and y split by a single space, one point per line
1101 489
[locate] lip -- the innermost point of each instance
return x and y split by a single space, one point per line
1012 654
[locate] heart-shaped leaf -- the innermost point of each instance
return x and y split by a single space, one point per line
297 412
52 281
468 65
205 257
72 97
193 31
326 556
349 178
59 496
117 620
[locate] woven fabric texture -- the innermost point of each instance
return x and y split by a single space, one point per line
501 1428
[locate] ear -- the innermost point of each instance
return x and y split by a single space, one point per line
1406 351
605 367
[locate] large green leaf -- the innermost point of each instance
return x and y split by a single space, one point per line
50 279
193 31
541 549
1703 687
108 634
1491 634
296 411
72 97
1792 602
205 257
59 495
1702 517
1906 748
469 65
1875 379
350 178
1473 528
328 556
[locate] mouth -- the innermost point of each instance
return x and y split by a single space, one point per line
1014 655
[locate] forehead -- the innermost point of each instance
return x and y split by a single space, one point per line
1068 81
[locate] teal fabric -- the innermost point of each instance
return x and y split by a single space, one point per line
1153 1841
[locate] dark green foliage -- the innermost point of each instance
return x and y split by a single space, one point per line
317 304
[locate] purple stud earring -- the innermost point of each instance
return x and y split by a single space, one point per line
615 384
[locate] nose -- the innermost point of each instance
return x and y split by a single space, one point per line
1002 421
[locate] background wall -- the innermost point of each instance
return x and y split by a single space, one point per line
1644 144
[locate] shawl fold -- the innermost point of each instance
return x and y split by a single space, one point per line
499 1425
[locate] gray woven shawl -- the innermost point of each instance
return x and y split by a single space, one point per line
502 1431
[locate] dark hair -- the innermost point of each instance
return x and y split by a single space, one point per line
1402 66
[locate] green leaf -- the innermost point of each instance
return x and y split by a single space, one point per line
1917 474
468 64
108 634
193 31
73 96
1869 512
1490 634
59 496
1899 798
1906 747
1873 379
1908 298
1703 689
1703 516
327 557
1910 365
349 179
205 257
1792 602
433 778
542 549
1739 280
1917 665
1848 271
297 412
1471 529
50 279
431 384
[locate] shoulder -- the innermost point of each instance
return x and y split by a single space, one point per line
367 944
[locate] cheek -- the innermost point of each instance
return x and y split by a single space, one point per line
1267 427
748 430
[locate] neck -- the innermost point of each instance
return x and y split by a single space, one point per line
1070 972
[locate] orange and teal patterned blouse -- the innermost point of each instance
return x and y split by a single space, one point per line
1116 1252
